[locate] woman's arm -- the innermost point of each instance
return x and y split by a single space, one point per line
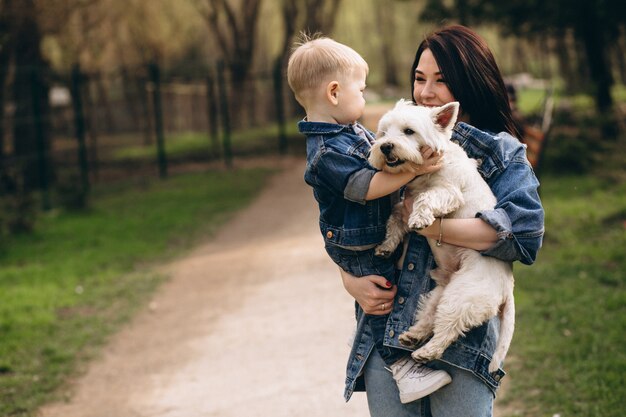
518 218
373 293
513 231
469 233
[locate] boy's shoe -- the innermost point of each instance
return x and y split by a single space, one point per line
416 381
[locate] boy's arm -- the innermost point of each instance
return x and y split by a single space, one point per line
385 183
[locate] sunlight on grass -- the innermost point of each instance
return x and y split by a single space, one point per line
69 284
571 305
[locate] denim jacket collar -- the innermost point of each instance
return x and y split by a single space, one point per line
320 128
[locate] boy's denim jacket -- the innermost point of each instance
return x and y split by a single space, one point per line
340 175
519 221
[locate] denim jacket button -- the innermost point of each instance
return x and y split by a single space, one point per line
401 300
497 377
329 234
391 333
359 357
410 266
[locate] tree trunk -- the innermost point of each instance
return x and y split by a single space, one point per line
30 92
564 59
385 21
591 36
5 59
619 53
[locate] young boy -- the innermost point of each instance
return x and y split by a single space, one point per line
328 79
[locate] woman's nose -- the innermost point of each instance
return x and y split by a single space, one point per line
427 91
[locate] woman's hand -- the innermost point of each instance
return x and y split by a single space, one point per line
373 293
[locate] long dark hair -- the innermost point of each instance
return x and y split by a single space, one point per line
472 75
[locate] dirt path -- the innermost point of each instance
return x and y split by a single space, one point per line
254 323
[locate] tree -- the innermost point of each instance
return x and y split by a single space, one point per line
234 28
31 140
386 26
594 23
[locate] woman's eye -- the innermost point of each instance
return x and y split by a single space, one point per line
408 131
419 79
441 80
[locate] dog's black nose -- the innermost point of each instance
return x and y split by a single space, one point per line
386 148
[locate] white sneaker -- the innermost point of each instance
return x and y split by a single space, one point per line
416 381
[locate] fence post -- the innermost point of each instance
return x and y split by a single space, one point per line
42 152
212 113
79 120
280 109
221 85
155 77
92 128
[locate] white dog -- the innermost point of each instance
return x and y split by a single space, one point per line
471 288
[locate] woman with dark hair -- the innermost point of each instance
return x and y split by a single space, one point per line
472 76
453 64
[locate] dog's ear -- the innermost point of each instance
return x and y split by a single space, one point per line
445 116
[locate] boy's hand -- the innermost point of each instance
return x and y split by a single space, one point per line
432 162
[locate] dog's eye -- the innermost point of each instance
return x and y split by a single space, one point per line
408 131
380 134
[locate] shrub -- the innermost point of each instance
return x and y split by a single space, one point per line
18 211
70 192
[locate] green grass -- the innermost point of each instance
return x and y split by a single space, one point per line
530 101
67 286
183 144
571 305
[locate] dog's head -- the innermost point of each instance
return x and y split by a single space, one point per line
403 130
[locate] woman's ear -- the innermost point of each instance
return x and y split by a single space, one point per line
332 92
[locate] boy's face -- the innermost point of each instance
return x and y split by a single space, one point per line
350 101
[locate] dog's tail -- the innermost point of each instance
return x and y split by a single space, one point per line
507 326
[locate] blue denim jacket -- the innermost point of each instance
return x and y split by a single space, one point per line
340 175
518 219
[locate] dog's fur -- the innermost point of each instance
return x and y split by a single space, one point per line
471 288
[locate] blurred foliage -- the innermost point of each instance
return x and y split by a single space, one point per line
18 205
593 26
70 192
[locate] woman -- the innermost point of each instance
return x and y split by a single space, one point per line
453 64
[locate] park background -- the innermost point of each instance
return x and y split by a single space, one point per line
131 130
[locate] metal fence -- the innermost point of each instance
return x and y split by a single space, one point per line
116 125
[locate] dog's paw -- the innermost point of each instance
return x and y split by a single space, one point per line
426 354
418 221
407 339
419 333
383 251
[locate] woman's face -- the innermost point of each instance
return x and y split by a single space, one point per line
429 87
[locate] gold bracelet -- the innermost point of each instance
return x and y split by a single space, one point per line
440 231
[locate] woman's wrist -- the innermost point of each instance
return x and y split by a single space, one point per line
468 233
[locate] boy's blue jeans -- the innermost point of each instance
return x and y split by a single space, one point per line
360 264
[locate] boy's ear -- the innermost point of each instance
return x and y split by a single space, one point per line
332 92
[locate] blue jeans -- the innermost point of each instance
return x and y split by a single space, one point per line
465 396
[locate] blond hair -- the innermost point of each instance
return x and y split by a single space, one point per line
315 59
